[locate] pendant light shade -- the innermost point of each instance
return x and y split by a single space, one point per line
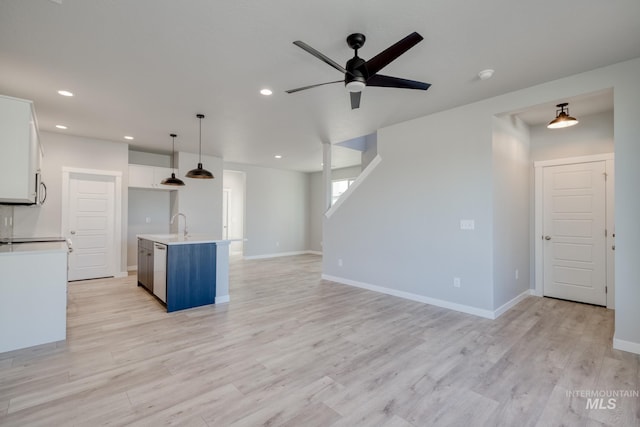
172 180
563 119
199 172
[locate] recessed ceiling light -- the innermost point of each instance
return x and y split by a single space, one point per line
61 126
278 156
266 92
65 93
128 137
486 74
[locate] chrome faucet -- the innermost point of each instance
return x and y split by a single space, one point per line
185 222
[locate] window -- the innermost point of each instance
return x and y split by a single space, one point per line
338 187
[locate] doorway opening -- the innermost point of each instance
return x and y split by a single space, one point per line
233 210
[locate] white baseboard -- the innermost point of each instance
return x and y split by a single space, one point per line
280 254
315 252
132 268
121 274
488 314
506 306
630 346
222 299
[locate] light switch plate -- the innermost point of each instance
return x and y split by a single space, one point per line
467 224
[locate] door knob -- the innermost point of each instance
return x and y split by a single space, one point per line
547 237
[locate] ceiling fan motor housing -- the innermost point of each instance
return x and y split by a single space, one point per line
357 77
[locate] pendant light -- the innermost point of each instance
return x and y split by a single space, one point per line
563 119
199 172
172 180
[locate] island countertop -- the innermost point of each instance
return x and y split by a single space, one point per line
180 239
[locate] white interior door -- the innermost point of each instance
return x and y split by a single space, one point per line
91 226
574 222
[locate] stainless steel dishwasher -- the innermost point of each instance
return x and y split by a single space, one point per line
160 271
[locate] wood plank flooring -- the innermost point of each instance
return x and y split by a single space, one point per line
293 350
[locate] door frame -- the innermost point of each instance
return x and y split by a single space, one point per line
538 166
117 207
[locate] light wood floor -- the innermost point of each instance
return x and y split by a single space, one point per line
293 350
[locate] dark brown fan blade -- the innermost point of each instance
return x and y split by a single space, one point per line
388 81
355 100
320 56
316 85
385 57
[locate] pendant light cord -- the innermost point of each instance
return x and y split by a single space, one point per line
200 147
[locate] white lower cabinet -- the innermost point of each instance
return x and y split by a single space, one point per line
33 294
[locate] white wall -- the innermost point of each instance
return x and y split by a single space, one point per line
316 211
449 171
593 135
316 199
200 199
143 204
511 209
149 159
235 182
71 151
400 229
276 210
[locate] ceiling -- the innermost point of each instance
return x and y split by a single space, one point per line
146 67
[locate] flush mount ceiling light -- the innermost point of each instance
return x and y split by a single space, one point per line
563 119
127 137
199 172
266 92
61 126
172 180
65 93
278 156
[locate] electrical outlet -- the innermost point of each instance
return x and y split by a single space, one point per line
517 274
340 262
467 224
148 220
277 244
456 282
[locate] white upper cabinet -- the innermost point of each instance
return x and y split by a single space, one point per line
20 148
141 176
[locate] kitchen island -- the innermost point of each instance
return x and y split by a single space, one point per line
184 271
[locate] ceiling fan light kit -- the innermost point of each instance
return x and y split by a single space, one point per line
199 172
359 73
172 180
563 119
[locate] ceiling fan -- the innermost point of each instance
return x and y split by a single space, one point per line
359 73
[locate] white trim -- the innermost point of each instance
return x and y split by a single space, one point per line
132 268
315 252
574 160
280 254
363 175
488 314
222 299
121 274
608 158
506 306
630 346
117 231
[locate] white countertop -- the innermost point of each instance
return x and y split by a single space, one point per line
179 239
40 247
